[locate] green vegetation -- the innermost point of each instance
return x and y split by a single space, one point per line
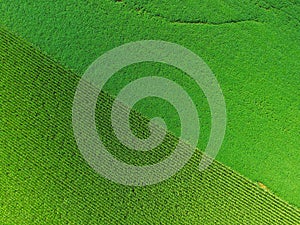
44 179
252 48
255 62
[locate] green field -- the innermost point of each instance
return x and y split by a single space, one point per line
252 48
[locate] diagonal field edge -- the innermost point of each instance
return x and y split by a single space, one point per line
259 192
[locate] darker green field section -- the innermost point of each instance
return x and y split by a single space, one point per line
45 180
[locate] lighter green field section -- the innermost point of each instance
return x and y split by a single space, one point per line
251 46
45 180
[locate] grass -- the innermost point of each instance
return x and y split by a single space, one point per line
45 180
254 62
250 46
